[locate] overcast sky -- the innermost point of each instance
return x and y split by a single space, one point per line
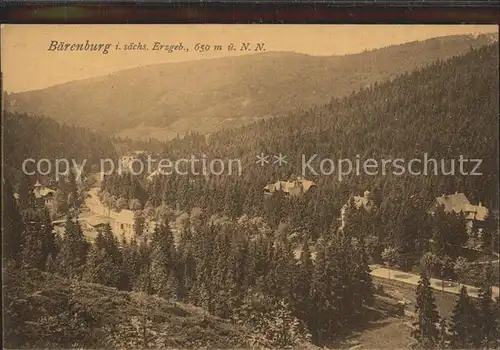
28 65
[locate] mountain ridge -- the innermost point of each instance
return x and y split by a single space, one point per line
212 94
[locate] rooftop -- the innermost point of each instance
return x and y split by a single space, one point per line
459 203
294 187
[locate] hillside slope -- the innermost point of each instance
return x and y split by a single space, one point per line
447 110
39 138
47 311
208 95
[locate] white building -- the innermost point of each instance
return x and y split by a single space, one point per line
458 203
124 224
295 187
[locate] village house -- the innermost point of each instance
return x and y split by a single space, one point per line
359 202
126 163
124 224
132 161
458 203
291 188
44 196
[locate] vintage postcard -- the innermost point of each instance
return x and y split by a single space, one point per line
250 186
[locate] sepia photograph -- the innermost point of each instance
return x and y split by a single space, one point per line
209 186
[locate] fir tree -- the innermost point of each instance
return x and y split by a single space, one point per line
486 309
96 262
162 258
426 332
463 322
32 254
26 194
320 294
221 305
362 280
284 268
303 282
104 260
443 333
12 226
73 198
130 263
72 256
48 240
143 281
139 223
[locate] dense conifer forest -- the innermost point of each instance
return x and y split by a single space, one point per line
26 136
405 118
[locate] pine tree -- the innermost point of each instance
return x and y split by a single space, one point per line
340 301
363 289
104 262
73 198
320 294
303 284
162 258
497 323
443 333
96 261
143 281
32 254
221 305
171 290
48 239
463 322
12 226
72 256
62 197
486 311
284 269
426 332
235 283
130 263
139 223
26 194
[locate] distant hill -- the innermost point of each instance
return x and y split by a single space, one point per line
43 310
207 95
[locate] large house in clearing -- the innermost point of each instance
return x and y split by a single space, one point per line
359 202
124 224
458 203
291 188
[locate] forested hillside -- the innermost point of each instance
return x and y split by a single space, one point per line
446 110
47 311
27 137
209 95
268 271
